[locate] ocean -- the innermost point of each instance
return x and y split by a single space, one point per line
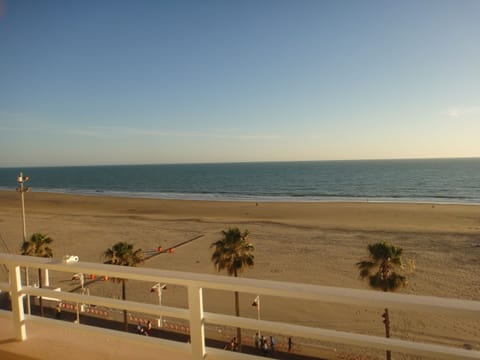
424 181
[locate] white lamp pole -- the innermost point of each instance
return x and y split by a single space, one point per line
159 288
256 303
21 189
81 278
258 313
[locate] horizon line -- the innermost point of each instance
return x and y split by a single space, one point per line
245 162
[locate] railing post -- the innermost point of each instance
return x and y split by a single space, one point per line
45 278
197 326
20 332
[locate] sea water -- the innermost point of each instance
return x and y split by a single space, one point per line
431 181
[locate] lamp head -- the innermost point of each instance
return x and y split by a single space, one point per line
158 287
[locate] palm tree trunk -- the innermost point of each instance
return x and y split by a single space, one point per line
124 297
237 313
387 332
40 301
386 320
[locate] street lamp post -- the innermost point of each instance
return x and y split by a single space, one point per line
21 189
81 278
256 304
80 307
159 288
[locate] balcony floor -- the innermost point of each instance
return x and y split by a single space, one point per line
46 341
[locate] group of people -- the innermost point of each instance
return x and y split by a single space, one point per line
144 330
264 345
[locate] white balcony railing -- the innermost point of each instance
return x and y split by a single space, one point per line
195 283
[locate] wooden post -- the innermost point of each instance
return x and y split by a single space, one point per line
20 332
197 325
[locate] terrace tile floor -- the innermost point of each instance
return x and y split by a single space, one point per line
45 341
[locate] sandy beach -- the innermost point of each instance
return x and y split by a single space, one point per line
315 243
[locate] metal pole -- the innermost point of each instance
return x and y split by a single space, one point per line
258 313
82 281
23 208
158 287
160 303
77 320
21 189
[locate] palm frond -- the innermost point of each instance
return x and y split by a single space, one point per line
380 268
232 252
37 245
123 254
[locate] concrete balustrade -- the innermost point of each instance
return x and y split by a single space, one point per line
195 283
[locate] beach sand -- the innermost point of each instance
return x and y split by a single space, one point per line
313 243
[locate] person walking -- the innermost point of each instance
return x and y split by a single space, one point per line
265 346
149 328
234 344
58 312
272 344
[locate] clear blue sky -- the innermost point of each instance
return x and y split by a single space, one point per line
126 82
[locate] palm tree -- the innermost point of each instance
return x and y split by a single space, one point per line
38 245
380 272
122 253
233 253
